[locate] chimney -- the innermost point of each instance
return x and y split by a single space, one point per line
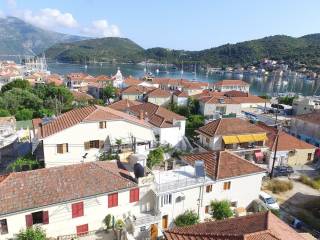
141 114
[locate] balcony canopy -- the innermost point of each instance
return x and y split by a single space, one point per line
233 139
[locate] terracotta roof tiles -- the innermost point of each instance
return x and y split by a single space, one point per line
258 226
223 164
230 83
123 105
42 187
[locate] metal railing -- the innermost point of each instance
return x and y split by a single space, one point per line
181 183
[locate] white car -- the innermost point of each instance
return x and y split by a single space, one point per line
269 201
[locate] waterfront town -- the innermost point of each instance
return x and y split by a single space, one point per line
142 158
159 120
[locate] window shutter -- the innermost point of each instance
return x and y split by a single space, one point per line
82 229
86 145
101 124
115 203
66 147
101 143
77 209
109 201
29 221
59 148
45 217
137 194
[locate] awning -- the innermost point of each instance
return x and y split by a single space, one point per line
230 139
259 137
245 138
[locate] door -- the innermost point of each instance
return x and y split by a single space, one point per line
165 222
154 231
82 229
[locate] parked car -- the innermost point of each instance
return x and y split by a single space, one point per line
282 171
269 201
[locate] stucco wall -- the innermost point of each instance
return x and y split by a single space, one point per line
76 135
159 101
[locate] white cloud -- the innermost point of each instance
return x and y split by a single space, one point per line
48 18
11 3
101 28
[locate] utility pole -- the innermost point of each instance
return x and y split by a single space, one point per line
275 153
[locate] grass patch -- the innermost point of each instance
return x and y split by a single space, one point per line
314 183
277 186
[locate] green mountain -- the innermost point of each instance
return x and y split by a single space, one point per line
20 38
304 49
100 49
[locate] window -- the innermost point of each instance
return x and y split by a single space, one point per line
226 185
309 156
166 199
77 209
209 188
112 200
3 226
62 148
134 195
234 204
82 229
93 144
103 124
41 217
207 209
207 140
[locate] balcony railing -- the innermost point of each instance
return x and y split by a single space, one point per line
181 183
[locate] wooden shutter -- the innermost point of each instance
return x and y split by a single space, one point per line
86 145
208 188
77 209
29 221
82 229
59 148
207 209
112 200
45 217
101 143
134 195
101 124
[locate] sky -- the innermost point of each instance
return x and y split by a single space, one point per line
176 24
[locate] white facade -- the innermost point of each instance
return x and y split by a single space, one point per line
172 135
118 82
161 101
226 88
180 101
77 135
209 109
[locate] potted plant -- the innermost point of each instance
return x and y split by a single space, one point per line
107 221
119 226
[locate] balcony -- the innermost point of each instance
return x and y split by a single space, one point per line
176 179
146 218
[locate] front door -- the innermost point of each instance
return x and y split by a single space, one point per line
165 222
154 231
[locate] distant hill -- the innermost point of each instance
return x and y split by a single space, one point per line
100 49
18 37
304 49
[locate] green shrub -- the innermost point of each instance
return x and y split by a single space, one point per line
107 221
314 183
187 218
36 233
277 186
155 157
221 209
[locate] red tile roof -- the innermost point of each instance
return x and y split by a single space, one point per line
132 81
159 93
229 126
223 164
187 84
38 188
156 115
179 93
81 96
310 117
136 89
79 76
286 142
85 114
230 83
258 226
123 105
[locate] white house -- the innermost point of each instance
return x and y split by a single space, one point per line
66 200
78 81
168 126
159 97
82 134
180 98
228 85
8 136
234 134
